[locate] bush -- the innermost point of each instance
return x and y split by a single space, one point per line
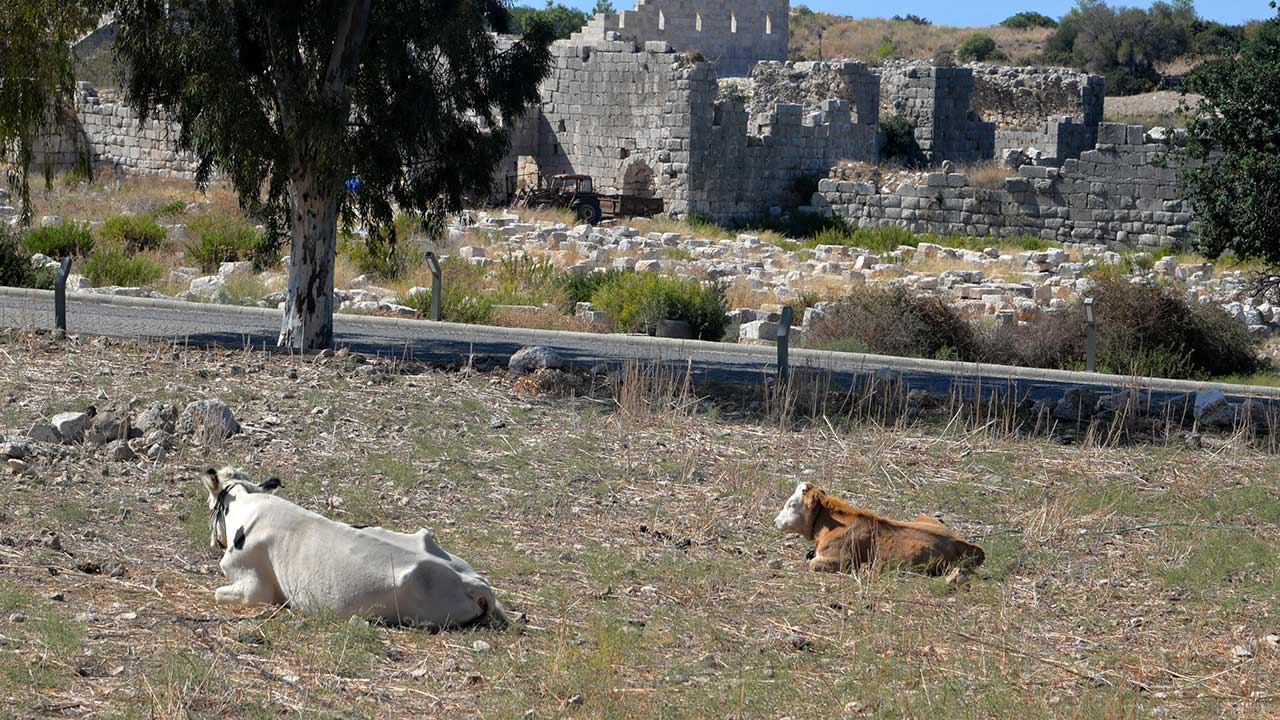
522 280
132 233
579 287
1026 20
115 266
978 47
215 240
15 263
637 301
68 239
1142 330
910 18
895 321
899 142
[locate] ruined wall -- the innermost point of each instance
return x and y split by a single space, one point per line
106 131
647 121
732 34
1119 192
618 113
1020 98
810 84
976 112
935 100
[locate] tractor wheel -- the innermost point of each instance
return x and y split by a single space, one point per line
588 213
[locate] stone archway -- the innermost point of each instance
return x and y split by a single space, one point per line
638 180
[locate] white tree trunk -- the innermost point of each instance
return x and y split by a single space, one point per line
308 311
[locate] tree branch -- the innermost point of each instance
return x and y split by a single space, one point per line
347 45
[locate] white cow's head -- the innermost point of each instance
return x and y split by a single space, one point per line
797 512
223 485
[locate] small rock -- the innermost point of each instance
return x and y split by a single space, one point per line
1193 441
16 618
575 701
496 424
775 564
14 450
528 359
208 420
52 541
70 425
357 621
16 466
45 433
57 597
157 453
1241 651
157 416
120 451
480 646
798 641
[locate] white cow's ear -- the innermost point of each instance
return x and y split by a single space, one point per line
211 481
271 485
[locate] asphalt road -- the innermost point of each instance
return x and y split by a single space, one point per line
199 324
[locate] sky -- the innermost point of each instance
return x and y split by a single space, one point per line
986 12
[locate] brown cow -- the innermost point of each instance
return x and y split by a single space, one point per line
848 538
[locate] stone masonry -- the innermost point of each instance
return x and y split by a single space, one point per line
647 121
1124 191
106 131
730 34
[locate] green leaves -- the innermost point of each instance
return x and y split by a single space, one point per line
1233 183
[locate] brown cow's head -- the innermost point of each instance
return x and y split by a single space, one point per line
798 512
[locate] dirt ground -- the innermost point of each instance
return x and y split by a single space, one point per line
633 534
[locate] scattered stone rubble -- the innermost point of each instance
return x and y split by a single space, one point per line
988 284
119 433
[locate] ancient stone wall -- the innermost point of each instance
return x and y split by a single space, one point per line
105 131
810 84
1020 98
732 35
1123 191
647 121
620 114
935 100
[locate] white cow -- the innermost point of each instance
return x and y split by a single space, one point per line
277 552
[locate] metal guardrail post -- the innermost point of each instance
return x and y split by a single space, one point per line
784 337
1090 336
60 295
436 284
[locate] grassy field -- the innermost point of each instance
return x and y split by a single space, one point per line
876 38
635 538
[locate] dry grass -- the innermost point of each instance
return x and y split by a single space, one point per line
990 175
634 534
72 198
862 38
545 319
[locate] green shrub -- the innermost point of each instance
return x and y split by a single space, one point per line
132 233
114 266
1026 20
522 280
637 301
899 143
383 254
217 239
67 239
15 262
171 208
579 287
895 321
978 47
911 18
886 48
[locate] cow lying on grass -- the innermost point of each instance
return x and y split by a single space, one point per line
279 553
848 538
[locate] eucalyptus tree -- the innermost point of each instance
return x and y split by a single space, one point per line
325 110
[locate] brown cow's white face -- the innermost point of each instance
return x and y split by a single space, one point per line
794 516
